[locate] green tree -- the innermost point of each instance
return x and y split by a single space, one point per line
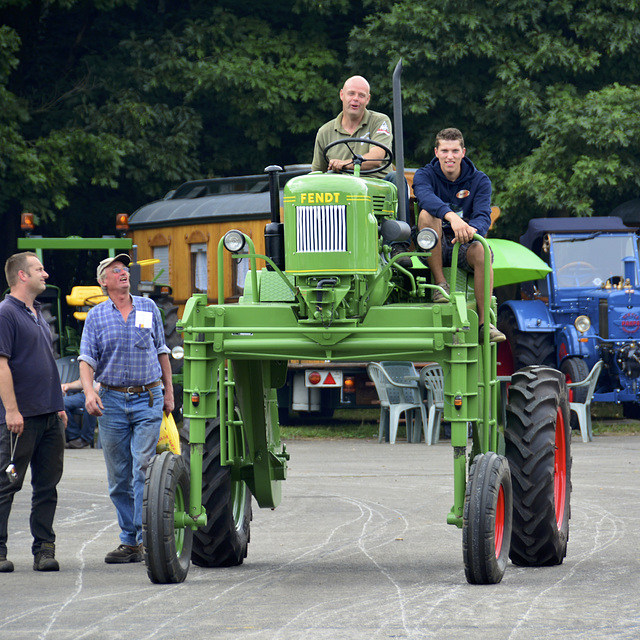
108 104
545 92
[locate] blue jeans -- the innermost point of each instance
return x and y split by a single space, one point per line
129 432
74 408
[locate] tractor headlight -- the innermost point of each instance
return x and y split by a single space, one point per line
582 324
234 241
177 353
427 239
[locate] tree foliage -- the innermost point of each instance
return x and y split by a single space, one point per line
106 104
545 92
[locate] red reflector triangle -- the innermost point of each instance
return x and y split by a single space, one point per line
329 379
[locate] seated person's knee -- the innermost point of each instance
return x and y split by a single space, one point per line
425 219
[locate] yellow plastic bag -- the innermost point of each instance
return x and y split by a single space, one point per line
169 439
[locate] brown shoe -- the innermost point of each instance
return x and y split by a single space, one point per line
124 553
495 335
437 296
45 559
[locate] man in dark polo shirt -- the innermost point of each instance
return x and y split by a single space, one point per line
32 418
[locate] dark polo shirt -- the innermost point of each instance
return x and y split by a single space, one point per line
27 344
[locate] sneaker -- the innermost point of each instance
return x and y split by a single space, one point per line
77 443
437 295
45 559
401 247
6 566
495 335
124 553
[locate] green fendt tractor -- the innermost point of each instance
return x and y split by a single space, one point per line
332 291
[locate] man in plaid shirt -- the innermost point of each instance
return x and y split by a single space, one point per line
123 349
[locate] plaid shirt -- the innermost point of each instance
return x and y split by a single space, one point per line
124 354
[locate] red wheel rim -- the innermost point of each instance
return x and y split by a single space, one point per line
560 469
569 389
499 525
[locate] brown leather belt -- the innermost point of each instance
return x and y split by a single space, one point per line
139 389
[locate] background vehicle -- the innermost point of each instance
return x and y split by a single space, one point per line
331 291
586 309
65 312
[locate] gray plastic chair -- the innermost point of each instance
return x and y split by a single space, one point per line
583 409
433 380
399 392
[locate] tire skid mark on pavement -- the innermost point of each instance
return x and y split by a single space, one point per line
606 533
79 582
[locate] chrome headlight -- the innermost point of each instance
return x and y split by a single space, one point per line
427 239
234 241
582 324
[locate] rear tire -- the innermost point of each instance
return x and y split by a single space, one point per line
523 348
575 370
487 519
172 339
223 541
167 549
538 447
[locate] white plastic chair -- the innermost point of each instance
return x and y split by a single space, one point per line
583 409
398 394
433 380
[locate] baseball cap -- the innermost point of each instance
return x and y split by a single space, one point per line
102 267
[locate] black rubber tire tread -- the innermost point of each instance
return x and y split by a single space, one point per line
536 396
528 348
575 370
488 472
173 338
222 542
166 472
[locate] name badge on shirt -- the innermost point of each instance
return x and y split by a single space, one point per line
144 319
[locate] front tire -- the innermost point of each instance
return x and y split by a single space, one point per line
223 541
538 447
487 519
167 549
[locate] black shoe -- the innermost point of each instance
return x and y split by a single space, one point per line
6 566
401 247
78 443
45 559
124 553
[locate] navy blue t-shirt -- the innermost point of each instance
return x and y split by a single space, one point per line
27 344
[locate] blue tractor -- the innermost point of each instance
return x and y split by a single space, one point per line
586 309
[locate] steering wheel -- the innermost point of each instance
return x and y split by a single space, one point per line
582 273
358 159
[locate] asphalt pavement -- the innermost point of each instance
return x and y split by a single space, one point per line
358 549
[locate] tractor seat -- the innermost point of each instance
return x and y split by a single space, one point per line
84 297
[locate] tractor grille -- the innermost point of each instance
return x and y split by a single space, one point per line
378 203
322 228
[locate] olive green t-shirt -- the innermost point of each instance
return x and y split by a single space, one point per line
374 125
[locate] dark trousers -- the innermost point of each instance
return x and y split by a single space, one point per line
41 445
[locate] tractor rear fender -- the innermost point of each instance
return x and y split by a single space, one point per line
531 315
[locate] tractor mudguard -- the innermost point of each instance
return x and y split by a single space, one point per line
531 315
